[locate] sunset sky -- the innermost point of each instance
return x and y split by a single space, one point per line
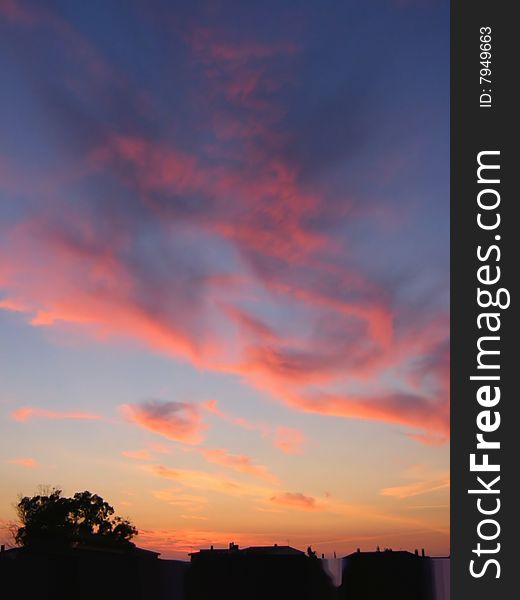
224 244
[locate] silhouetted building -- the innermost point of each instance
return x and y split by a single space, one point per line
252 573
274 550
388 574
257 573
90 573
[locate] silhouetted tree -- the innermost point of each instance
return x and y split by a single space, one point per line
84 518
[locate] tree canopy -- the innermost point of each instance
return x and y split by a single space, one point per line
84 519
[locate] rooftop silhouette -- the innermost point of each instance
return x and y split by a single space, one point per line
273 572
257 573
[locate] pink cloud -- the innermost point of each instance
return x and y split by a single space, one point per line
77 272
236 462
237 68
275 228
422 405
13 305
250 325
160 448
177 421
24 462
289 440
147 453
212 407
210 482
295 500
286 439
212 45
143 454
28 412
403 409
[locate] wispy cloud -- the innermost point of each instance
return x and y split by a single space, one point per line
415 489
424 481
29 412
204 480
237 462
176 497
23 462
143 454
295 500
149 452
289 440
179 421
212 407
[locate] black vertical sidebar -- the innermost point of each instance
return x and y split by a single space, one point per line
484 120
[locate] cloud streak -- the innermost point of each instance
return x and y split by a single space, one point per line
237 462
179 421
424 481
289 440
296 500
28 462
26 413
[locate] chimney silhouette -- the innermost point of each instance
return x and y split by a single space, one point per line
416 552
422 552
